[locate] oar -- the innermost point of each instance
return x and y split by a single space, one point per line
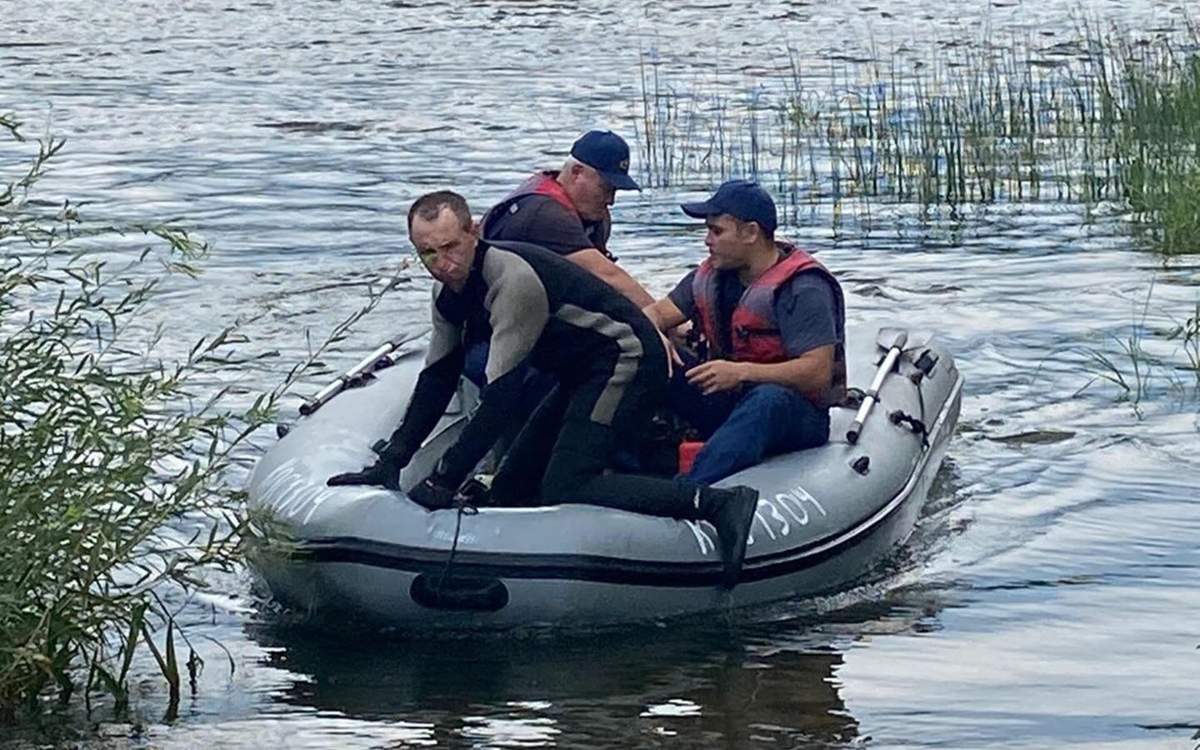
382 357
892 340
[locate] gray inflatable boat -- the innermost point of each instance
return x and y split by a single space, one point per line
826 516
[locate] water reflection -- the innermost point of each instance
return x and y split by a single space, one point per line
694 684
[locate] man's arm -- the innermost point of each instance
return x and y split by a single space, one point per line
664 314
810 373
435 387
610 273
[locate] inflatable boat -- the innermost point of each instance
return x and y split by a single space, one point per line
826 516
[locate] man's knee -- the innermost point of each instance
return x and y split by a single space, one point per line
563 478
581 454
794 420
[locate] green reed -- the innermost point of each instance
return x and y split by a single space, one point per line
1154 352
1158 144
1187 334
115 496
1105 118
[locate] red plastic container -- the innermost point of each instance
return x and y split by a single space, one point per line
687 454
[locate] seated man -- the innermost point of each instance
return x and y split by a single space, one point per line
774 323
608 359
567 211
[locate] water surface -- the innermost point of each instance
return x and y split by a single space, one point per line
1048 596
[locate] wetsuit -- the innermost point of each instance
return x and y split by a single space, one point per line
606 356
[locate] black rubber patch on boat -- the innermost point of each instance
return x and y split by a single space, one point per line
459 593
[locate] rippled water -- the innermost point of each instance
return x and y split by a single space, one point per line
1048 597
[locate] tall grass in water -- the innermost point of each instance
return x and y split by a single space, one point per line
113 463
1157 143
1100 119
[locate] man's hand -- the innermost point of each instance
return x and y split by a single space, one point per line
673 357
432 496
679 334
718 375
385 472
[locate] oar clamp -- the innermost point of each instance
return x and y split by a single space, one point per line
924 367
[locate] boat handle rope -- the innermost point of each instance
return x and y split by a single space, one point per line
465 500
464 509
914 424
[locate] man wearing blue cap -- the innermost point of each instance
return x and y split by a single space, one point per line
567 211
773 321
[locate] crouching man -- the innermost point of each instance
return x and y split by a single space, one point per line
773 321
608 359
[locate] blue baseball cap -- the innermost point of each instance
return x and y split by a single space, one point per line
741 199
607 153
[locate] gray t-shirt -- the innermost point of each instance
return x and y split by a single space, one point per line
804 308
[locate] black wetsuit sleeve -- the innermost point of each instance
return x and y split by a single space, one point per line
518 306
435 387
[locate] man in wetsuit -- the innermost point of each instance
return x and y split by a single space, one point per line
773 319
607 358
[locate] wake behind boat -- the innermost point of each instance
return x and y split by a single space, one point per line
825 516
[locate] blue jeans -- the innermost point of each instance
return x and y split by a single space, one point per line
535 385
741 428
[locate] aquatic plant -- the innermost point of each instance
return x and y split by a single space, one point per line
96 455
1104 118
115 500
1158 145
1136 361
1187 334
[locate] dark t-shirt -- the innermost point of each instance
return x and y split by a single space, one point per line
540 220
804 308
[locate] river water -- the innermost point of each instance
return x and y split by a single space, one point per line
1048 596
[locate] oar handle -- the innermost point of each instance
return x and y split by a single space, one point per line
872 396
370 363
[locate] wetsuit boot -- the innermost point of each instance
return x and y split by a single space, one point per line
731 512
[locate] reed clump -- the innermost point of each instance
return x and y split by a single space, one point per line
114 497
1101 119
1157 145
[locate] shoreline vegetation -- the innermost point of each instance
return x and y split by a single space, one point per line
112 491
1109 119
118 496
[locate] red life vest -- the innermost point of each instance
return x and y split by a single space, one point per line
754 330
546 184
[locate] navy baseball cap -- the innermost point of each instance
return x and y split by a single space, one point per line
607 153
741 199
